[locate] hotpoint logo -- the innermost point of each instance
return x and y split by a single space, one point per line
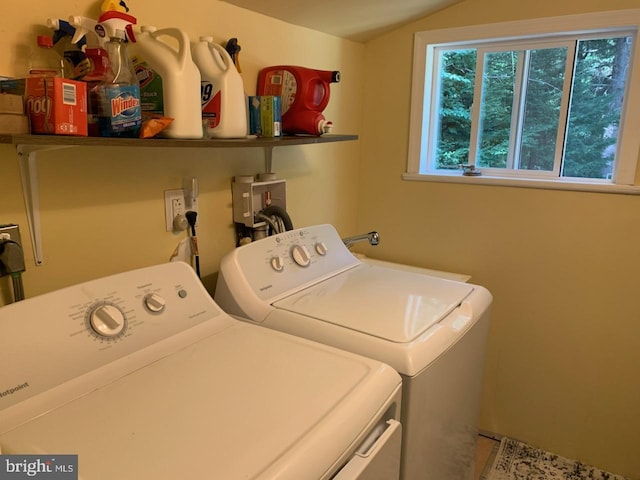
42 467
13 390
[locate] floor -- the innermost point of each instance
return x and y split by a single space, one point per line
486 449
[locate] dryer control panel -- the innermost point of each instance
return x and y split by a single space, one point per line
277 265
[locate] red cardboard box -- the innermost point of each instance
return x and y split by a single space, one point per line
56 105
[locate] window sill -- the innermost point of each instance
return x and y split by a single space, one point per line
526 183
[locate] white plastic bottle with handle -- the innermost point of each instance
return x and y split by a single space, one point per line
167 52
224 103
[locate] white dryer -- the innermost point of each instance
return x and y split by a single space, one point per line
142 376
433 331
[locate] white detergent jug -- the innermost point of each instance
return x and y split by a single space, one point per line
224 103
170 58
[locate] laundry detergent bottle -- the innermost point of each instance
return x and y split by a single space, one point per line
169 80
224 103
305 94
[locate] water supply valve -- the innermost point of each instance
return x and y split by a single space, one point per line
251 197
372 237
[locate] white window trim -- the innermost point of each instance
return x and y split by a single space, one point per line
629 144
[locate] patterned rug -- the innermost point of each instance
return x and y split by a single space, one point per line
518 461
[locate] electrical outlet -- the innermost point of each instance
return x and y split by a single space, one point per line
173 205
11 232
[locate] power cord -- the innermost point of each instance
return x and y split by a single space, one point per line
191 219
12 263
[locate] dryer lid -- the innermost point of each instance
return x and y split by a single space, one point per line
386 303
246 403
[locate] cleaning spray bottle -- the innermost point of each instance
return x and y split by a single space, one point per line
118 95
72 52
98 61
94 46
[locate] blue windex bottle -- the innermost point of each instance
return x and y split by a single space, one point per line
118 96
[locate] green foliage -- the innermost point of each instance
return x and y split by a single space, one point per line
596 103
456 98
596 107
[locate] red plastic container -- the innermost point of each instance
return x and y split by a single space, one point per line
305 93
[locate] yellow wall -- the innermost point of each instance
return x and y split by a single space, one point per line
103 208
563 267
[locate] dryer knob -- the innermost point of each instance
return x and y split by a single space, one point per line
154 302
301 255
321 248
107 320
277 264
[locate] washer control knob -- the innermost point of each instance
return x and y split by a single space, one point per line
154 302
301 255
321 248
277 263
107 320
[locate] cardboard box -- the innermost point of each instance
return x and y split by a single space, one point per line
14 86
11 104
265 116
13 124
56 105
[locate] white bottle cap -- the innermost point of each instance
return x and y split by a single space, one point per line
325 126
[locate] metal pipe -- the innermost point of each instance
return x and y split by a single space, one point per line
269 220
372 237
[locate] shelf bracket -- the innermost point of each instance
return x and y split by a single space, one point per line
27 159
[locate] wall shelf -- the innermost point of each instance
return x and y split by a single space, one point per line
70 141
28 147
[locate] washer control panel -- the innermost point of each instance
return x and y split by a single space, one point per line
276 265
56 337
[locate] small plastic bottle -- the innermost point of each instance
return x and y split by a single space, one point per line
45 60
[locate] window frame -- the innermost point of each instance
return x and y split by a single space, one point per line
535 31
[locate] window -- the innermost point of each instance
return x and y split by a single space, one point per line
545 103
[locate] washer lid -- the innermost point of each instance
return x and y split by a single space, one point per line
383 302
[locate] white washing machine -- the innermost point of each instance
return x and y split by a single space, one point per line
142 376
433 331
